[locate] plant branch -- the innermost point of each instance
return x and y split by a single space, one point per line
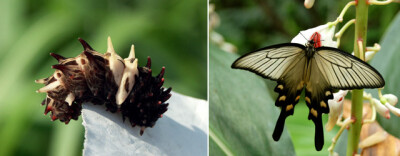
346 122
375 2
368 96
357 97
375 48
339 34
340 18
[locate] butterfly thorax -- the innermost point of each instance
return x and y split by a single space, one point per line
310 49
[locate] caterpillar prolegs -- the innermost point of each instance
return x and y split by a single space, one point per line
106 79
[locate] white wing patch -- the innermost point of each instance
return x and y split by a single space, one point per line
270 62
344 71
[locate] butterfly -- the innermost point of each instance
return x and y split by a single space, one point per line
318 69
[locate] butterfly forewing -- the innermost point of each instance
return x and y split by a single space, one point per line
344 71
271 62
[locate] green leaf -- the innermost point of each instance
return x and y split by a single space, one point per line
242 112
302 131
341 144
387 63
30 31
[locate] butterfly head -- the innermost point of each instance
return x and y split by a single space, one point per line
315 40
312 44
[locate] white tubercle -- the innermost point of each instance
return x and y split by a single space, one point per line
49 87
57 75
82 61
70 98
51 102
130 71
132 52
41 81
116 62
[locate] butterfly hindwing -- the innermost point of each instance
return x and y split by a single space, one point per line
289 87
318 92
286 100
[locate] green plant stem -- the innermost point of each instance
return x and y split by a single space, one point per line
357 96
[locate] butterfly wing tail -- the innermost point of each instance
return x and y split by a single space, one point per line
319 134
279 126
315 116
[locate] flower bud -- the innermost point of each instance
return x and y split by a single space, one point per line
373 139
308 3
369 55
216 38
393 109
392 99
228 47
381 109
335 108
326 31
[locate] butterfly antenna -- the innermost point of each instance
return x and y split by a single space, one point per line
304 36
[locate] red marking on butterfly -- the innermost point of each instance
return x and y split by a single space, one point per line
316 37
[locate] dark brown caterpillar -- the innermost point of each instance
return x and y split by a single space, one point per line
106 79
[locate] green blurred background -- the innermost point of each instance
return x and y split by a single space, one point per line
254 24
173 33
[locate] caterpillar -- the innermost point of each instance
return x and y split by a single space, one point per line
119 84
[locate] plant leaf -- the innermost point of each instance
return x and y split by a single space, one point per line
242 112
182 131
387 63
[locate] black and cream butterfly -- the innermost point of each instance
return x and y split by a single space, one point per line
319 70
